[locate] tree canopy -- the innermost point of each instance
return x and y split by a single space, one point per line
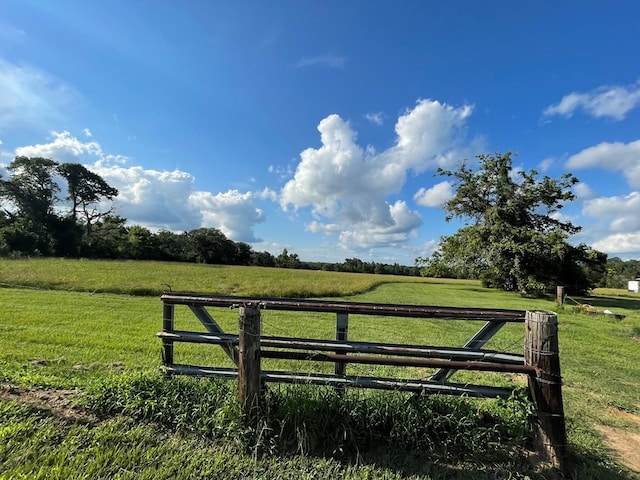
513 238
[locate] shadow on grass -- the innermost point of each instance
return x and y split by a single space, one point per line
607 302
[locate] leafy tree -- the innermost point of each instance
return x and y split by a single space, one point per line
210 245
140 242
85 190
513 238
170 246
619 272
31 188
29 197
109 239
287 260
263 259
243 255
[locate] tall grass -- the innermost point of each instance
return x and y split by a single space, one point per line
152 278
319 421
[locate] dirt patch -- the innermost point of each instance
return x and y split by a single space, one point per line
59 403
625 443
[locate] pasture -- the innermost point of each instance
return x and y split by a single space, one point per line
82 396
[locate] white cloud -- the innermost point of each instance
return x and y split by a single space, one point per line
87 133
435 196
367 234
606 101
328 60
376 118
583 191
429 135
349 185
621 212
63 147
159 199
32 98
617 156
546 164
619 243
234 213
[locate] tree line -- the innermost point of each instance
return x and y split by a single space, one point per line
65 210
513 239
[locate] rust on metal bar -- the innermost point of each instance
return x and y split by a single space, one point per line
305 305
416 386
483 335
401 362
400 350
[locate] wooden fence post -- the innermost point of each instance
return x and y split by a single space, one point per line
167 326
545 387
249 360
560 296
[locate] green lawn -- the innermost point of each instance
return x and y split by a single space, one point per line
88 326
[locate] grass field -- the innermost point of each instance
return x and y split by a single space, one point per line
82 396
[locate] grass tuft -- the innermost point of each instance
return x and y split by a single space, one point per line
322 422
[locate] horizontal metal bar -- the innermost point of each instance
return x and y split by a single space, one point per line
476 342
416 386
400 362
452 353
305 305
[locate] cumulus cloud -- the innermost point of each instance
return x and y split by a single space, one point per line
349 185
435 196
32 98
233 212
64 147
620 212
619 243
429 135
616 156
403 225
606 101
159 199
583 191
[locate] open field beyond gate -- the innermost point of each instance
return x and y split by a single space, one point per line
82 392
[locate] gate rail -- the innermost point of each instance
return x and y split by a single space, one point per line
540 361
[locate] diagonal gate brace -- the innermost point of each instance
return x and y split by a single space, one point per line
211 325
476 342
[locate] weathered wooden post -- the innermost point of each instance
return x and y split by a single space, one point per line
249 360
168 327
545 387
560 296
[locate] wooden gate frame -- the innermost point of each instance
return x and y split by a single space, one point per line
540 360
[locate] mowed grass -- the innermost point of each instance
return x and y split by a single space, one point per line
73 337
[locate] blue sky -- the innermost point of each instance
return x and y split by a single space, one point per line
318 126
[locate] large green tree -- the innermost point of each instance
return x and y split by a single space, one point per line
85 190
29 199
513 237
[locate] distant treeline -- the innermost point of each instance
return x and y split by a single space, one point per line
111 238
619 272
36 221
